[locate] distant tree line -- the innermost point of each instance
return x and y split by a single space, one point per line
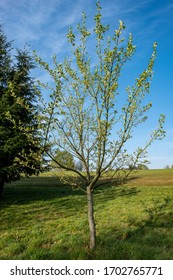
168 166
140 166
67 159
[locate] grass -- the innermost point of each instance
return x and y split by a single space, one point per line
42 219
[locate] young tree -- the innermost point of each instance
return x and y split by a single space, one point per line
84 116
19 143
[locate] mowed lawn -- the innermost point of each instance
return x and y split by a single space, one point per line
40 218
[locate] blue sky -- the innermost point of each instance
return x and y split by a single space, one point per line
43 25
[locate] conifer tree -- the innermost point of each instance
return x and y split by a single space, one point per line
19 142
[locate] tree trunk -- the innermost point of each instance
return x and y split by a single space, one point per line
1 186
91 219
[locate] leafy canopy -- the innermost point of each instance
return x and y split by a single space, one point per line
84 116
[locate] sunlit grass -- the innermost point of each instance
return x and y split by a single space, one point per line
41 218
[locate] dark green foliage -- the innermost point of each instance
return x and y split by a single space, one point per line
5 59
19 143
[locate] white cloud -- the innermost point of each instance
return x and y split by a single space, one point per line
41 24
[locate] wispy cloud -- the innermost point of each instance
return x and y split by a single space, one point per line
36 21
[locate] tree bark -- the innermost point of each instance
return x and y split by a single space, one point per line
1 186
91 218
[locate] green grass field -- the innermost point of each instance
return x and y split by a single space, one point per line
42 219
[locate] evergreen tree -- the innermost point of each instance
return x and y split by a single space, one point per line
19 142
5 59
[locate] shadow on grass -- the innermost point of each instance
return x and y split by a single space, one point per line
107 193
36 188
33 189
148 239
